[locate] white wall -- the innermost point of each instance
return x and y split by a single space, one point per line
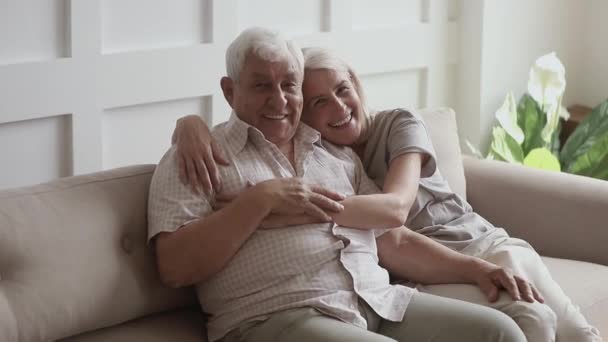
507 38
500 40
87 85
592 87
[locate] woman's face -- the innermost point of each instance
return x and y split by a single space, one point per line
332 106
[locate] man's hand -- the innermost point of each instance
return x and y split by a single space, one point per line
292 197
197 154
492 278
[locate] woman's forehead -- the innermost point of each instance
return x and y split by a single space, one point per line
324 78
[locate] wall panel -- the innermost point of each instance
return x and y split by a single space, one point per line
140 134
33 30
150 24
35 151
126 70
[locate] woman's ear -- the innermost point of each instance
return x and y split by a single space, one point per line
228 89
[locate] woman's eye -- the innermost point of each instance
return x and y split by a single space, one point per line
342 89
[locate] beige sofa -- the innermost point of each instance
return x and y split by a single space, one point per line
74 263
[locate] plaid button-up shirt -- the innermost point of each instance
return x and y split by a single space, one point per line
324 266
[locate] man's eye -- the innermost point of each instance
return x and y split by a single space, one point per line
260 85
342 89
319 102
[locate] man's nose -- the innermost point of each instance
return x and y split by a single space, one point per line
277 99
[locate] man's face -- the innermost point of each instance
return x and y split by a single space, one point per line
268 96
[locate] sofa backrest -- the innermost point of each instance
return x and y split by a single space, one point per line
73 256
441 124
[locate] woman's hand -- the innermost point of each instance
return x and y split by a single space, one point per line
197 154
492 278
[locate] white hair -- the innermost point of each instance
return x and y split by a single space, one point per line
318 58
265 43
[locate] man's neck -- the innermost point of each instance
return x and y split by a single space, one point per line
288 151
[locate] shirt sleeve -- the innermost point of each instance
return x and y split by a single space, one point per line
408 133
171 204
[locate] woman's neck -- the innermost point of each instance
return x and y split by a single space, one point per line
360 149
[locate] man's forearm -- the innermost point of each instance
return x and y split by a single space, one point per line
202 248
409 255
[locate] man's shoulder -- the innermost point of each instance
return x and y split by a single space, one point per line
220 130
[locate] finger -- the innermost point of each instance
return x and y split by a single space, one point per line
327 193
213 172
525 290
203 176
315 211
537 294
218 155
509 284
191 175
326 203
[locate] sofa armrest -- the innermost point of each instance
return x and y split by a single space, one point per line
559 214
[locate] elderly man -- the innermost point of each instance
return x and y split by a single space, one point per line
308 281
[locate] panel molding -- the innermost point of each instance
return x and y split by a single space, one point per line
89 82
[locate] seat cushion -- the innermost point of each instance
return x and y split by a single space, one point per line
185 325
585 283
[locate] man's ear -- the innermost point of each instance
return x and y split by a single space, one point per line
227 85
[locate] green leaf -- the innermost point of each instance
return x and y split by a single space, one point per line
504 147
542 158
531 120
586 135
594 163
507 117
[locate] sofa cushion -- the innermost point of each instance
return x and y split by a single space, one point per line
73 256
441 124
181 325
585 283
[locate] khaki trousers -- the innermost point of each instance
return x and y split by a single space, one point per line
556 320
428 318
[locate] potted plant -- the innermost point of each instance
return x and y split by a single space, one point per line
528 132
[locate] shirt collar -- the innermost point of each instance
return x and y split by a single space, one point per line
240 132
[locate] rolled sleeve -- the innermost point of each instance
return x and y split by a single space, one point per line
171 204
408 134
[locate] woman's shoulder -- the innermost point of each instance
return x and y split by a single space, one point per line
399 114
385 121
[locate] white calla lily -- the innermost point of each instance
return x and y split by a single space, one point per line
507 117
546 85
547 81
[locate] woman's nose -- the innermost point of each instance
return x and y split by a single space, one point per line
338 105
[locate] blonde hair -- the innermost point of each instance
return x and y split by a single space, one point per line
317 58
267 44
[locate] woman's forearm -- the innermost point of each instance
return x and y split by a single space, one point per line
372 211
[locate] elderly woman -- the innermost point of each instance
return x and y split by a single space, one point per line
397 154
